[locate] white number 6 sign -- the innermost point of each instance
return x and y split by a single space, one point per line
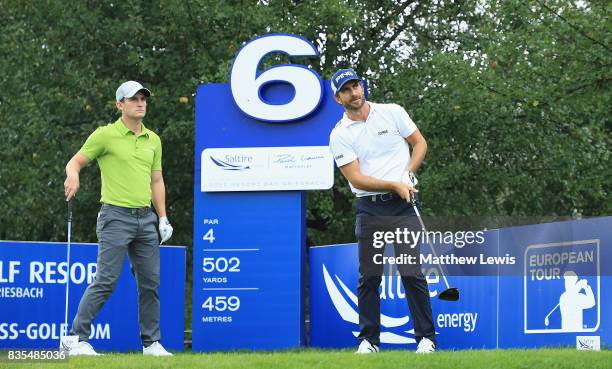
246 83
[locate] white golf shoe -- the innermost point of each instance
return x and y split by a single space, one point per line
365 347
82 348
155 349
426 346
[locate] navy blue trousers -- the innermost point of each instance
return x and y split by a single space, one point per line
388 213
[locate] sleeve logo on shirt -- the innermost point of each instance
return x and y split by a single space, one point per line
338 157
384 132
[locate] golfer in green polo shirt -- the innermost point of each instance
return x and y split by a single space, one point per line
129 155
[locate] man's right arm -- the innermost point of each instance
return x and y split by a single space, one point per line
74 166
353 174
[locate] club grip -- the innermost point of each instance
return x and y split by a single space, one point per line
414 198
70 210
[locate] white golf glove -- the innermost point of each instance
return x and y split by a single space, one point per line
165 229
409 178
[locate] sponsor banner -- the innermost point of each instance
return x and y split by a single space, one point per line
334 317
33 278
267 168
559 296
566 288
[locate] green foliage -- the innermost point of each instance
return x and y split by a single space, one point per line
517 114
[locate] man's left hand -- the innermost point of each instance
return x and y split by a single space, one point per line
165 229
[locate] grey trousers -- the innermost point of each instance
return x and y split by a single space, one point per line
120 231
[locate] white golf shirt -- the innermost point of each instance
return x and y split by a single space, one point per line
378 143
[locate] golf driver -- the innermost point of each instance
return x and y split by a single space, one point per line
450 293
546 321
67 341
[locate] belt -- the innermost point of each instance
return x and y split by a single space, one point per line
131 211
383 197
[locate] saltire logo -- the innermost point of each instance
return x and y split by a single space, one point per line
227 166
590 343
348 312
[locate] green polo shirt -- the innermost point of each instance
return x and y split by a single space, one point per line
126 162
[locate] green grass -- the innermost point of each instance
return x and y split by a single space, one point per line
312 359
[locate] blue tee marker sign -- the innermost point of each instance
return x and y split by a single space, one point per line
261 140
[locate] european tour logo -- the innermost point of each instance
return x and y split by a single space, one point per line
561 287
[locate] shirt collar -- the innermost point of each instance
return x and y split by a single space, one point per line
348 121
125 130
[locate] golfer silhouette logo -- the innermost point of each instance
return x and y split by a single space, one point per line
573 302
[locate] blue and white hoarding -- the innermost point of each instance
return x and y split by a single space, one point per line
334 317
561 294
33 278
564 295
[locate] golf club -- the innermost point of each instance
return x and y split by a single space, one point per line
450 293
67 341
68 261
546 321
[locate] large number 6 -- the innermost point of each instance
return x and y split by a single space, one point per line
246 84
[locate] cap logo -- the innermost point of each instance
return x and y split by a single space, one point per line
344 74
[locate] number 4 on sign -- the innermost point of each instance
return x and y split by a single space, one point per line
208 304
209 236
